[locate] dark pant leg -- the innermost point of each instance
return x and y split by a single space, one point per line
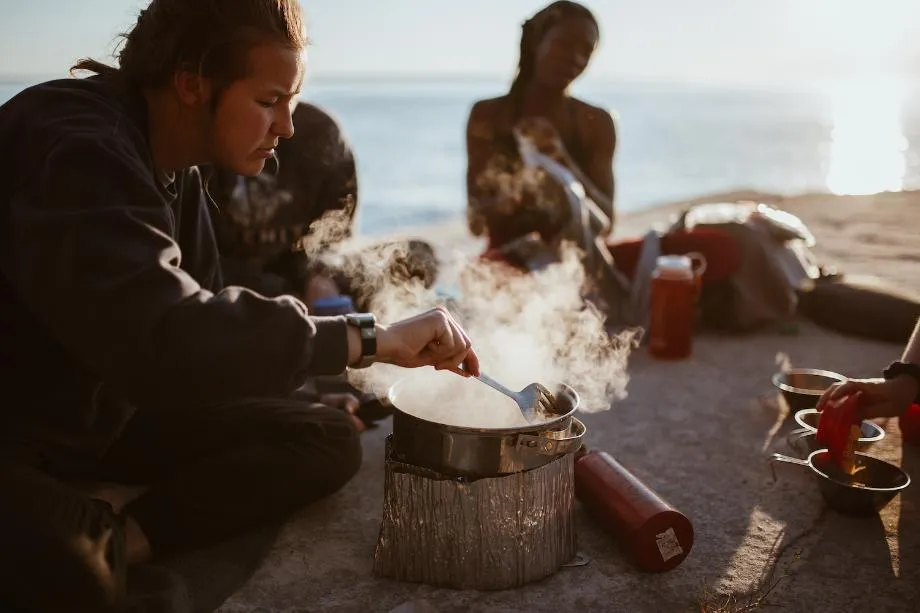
59 551
217 472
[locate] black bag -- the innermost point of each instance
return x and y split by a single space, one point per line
862 306
776 262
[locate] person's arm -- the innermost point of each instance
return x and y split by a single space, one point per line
597 175
882 397
93 257
480 147
912 350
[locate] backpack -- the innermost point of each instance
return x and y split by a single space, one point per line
777 264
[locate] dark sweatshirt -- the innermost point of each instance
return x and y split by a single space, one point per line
111 297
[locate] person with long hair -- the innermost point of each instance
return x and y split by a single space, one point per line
555 49
522 212
148 408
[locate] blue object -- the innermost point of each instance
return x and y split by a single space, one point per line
333 305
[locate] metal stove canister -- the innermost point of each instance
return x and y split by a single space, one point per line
478 508
658 536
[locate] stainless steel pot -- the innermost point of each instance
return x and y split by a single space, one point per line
484 452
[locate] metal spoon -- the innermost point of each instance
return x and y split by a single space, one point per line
530 400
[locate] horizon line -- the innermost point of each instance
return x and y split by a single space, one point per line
348 76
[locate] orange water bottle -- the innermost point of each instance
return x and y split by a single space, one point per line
675 288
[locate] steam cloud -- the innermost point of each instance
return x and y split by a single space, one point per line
526 328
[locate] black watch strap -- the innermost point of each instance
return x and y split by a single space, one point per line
367 328
900 369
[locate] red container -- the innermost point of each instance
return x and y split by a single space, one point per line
838 429
675 289
657 536
909 424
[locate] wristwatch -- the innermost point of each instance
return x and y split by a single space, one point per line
898 369
366 324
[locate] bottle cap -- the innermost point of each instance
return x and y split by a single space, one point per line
675 266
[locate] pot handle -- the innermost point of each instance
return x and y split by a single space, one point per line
778 457
801 415
548 445
794 437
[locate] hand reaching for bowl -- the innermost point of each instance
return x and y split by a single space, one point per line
880 398
433 338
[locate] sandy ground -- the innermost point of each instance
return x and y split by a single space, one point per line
699 432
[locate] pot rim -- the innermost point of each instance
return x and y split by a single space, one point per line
395 389
780 384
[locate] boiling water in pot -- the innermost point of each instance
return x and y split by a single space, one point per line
449 399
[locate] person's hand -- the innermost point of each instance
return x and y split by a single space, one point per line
880 398
433 338
346 402
116 494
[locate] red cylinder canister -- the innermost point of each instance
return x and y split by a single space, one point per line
658 536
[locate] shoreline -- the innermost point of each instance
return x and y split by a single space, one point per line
883 225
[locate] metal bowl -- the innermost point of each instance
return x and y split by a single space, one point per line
861 495
870 432
802 387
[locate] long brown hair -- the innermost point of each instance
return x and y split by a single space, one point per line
209 37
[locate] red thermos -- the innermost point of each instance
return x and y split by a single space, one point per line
675 289
658 536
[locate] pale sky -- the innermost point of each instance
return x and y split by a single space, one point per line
724 41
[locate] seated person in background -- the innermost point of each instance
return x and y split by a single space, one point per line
556 45
150 409
507 206
274 229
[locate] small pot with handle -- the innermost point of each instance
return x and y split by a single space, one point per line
863 494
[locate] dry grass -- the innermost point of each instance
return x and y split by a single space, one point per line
712 601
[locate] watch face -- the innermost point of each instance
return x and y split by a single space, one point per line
367 327
363 320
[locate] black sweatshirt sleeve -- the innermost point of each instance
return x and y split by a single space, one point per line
94 257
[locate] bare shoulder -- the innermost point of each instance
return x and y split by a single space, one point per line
593 116
597 125
488 109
